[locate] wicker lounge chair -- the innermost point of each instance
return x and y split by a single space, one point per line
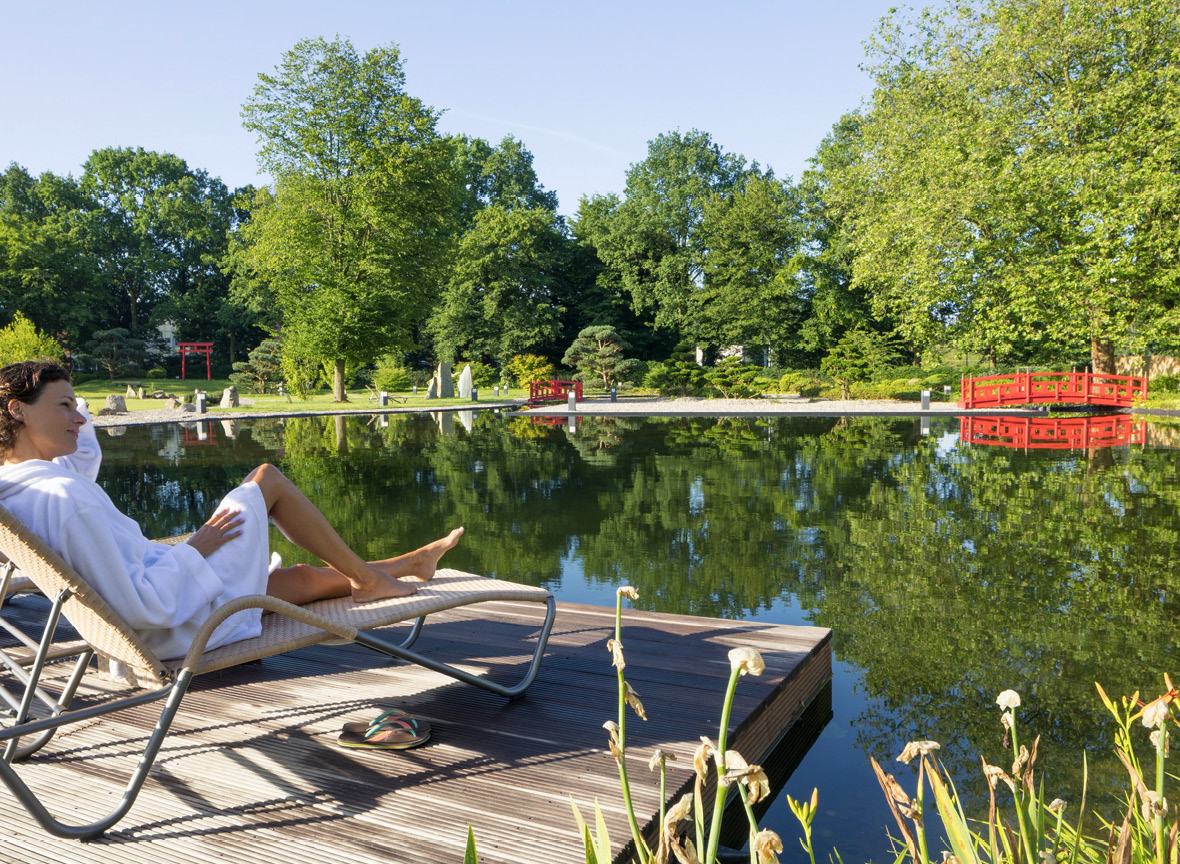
285 628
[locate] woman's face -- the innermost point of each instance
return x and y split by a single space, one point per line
49 426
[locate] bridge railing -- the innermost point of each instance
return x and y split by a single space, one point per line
1036 433
1076 388
554 391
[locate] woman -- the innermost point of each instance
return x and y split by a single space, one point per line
50 458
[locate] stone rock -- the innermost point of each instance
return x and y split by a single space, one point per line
172 402
159 394
432 390
130 394
188 408
116 403
229 397
116 431
105 412
139 393
446 387
465 382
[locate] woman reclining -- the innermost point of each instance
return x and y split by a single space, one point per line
50 459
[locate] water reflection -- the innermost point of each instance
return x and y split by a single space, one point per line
947 572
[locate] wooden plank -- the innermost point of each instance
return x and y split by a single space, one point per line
251 771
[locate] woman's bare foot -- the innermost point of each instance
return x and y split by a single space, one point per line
429 554
382 586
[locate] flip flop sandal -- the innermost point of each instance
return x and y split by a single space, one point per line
399 732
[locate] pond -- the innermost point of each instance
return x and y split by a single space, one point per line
947 571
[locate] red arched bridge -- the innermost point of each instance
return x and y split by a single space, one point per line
1071 388
1036 433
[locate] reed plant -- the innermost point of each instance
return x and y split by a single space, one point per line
1020 827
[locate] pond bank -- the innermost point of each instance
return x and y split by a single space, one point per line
641 405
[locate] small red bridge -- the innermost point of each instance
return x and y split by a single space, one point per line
554 391
1035 433
1072 388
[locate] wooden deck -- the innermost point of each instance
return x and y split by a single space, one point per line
251 773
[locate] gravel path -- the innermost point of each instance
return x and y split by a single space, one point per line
653 406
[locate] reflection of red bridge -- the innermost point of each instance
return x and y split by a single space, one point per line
1074 388
1035 433
554 391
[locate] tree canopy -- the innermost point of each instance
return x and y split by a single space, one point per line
353 241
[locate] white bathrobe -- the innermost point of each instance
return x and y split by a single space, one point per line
163 592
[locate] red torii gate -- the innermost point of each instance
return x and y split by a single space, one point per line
205 348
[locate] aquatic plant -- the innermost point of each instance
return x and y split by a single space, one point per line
1031 830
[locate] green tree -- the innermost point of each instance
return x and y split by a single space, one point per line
502 175
48 269
162 228
21 341
597 354
650 239
262 369
524 369
679 375
353 242
502 298
733 379
855 357
1020 176
750 292
115 350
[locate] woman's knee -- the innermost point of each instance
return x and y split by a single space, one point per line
270 480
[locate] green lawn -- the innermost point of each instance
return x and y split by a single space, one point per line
96 393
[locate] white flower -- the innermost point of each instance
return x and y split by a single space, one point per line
1008 700
915 748
768 845
1155 713
746 659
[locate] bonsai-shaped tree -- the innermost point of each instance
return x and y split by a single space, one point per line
597 353
679 375
115 351
733 379
262 368
855 357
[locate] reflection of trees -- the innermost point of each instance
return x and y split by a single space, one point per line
964 573
946 575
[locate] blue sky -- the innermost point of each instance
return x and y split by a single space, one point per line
585 85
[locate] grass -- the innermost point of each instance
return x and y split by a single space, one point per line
96 392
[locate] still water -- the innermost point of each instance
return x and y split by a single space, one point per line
948 572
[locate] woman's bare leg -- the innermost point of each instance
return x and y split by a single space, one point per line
304 525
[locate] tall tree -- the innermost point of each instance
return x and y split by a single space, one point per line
650 239
503 297
1020 179
750 293
163 226
502 175
48 270
353 240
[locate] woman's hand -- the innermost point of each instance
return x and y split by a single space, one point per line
220 529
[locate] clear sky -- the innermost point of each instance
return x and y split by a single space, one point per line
585 85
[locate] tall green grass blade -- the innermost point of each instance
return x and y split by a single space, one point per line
953 821
469 856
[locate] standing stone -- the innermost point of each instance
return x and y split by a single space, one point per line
140 393
229 397
130 394
172 403
465 382
432 390
116 403
446 387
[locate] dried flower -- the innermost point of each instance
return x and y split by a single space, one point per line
746 659
1153 805
768 846
1056 806
633 700
1155 741
1020 761
948 858
1006 722
994 773
616 649
627 591
616 749
1008 700
700 759
1155 713
914 748
658 758
686 853
1048 856
678 812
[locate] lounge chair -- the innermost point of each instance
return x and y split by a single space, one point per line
285 627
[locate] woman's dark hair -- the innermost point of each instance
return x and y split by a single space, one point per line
24 382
